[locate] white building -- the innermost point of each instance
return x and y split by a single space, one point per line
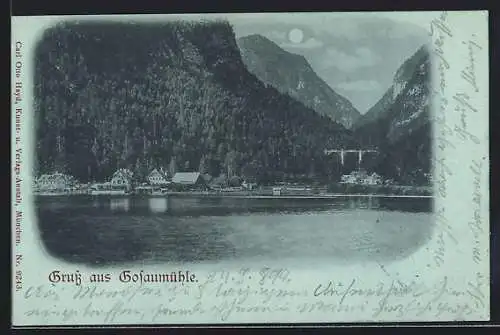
248 185
54 182
361 177
348 179
373 179
277 190
122 178
158 177
355 177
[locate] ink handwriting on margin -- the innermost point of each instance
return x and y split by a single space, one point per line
469 72
476 223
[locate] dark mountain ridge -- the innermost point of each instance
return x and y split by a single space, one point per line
111 95
292 74
399 125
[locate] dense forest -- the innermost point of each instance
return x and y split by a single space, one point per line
173 95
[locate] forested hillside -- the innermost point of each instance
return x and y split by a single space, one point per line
175 95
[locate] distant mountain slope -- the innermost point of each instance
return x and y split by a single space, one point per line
399 124
401 78
292 74
110 95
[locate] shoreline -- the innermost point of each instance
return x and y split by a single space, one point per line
243 196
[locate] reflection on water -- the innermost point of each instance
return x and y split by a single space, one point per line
158 205
102 230
119 204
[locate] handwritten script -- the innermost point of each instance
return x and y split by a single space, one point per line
225 296
455 108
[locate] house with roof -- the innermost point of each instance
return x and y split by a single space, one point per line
352 178
373 179
361 177
122 179
248 185
188 180
158 177
55 182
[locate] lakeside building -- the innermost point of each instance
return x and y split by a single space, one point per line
249 185
361 177
156 184
373 179
122 179
277 190
189 181
55 182
158 177
120 184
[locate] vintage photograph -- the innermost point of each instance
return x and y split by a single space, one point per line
212 139
250 168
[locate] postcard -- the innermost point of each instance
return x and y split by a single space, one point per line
250 168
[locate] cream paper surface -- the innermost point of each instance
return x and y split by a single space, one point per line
446 280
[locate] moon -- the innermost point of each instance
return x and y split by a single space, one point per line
295 35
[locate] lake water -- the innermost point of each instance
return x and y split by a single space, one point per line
112 230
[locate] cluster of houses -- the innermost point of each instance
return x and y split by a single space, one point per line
123 181
56 182
158 181
361 177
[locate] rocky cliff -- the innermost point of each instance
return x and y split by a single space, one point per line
292 74
399 123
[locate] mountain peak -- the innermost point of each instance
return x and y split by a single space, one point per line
292 74
259 43
405 71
